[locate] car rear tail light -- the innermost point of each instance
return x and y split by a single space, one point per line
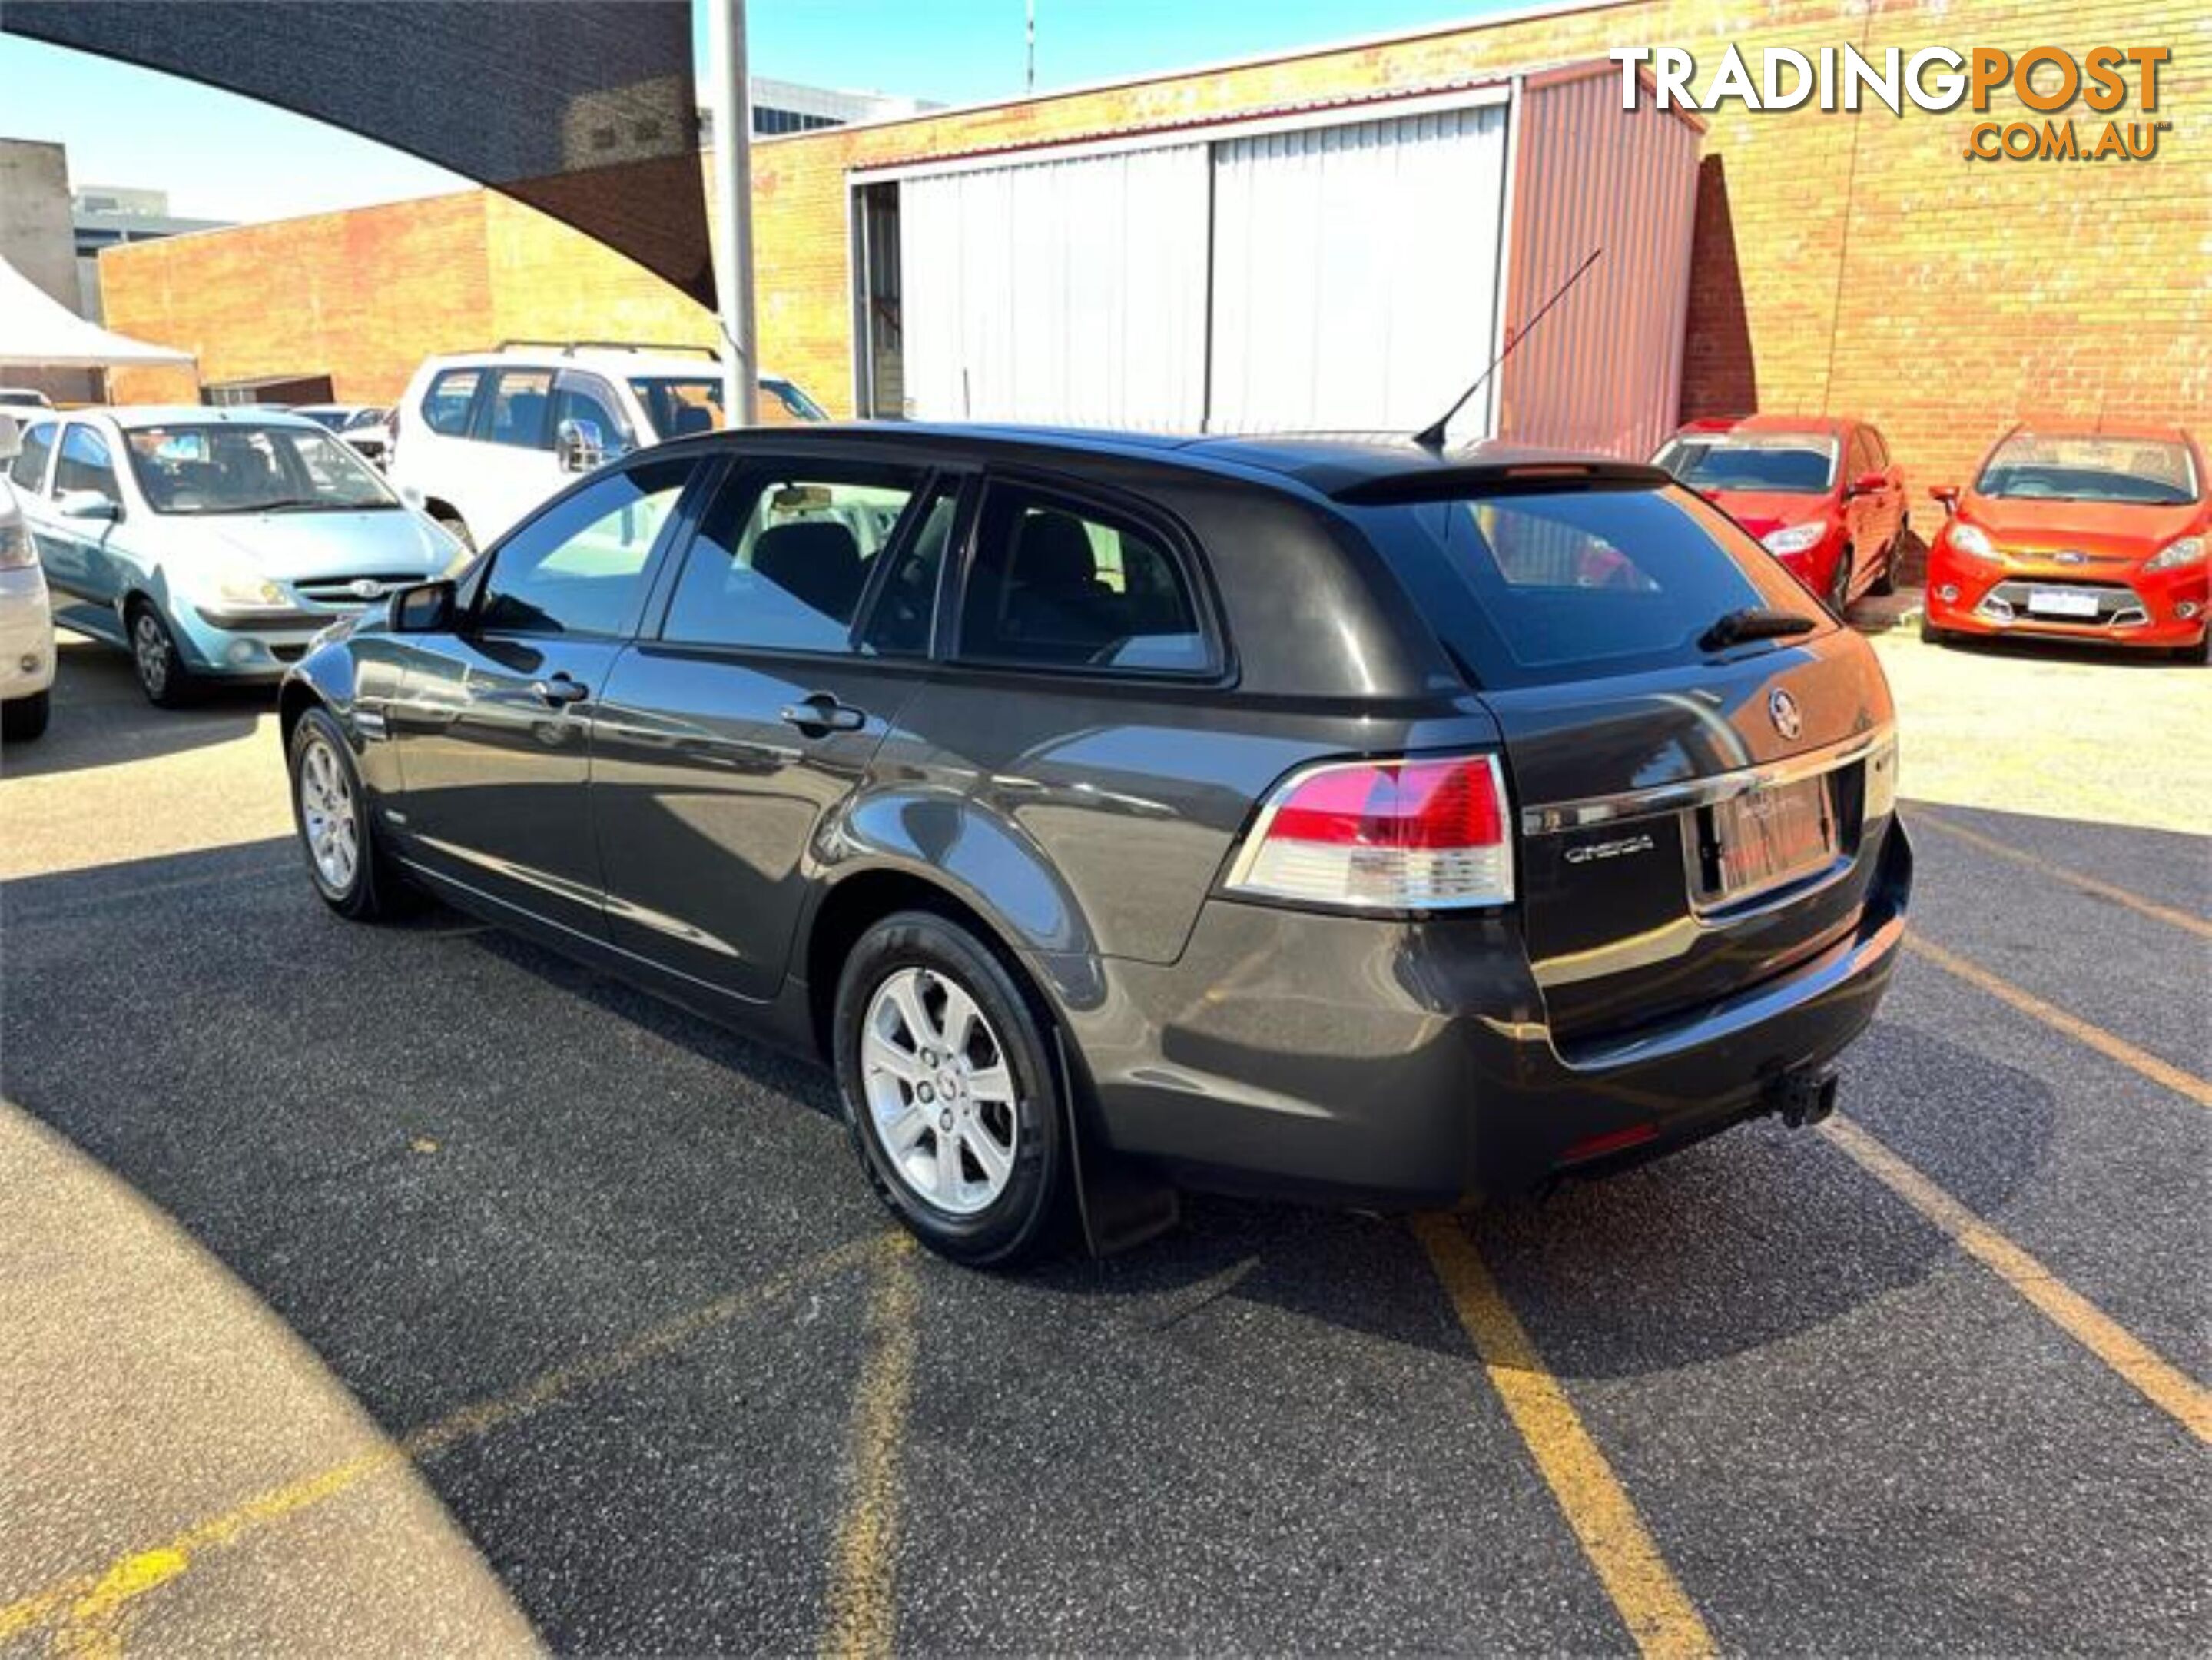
1395 834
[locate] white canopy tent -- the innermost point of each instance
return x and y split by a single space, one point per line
39 332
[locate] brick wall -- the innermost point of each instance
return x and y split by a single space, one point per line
1855 264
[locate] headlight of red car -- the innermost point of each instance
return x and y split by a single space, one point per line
2189 550
1971 541
1794 538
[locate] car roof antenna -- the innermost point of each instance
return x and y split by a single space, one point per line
1431 437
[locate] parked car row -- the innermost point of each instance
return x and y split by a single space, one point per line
2096 534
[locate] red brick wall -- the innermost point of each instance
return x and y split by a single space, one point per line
1854 263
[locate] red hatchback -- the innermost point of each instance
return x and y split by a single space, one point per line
1822 494
2077 535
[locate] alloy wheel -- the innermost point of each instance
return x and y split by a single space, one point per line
151 648
328 816
940 1093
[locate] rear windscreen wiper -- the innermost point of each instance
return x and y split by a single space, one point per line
1756 623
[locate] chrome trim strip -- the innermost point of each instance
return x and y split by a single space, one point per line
1552 817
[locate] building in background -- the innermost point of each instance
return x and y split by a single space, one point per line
38 239
105 216
786 106
1840 262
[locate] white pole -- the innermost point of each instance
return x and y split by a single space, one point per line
731 99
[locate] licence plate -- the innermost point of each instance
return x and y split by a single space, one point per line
2058 602
1771 837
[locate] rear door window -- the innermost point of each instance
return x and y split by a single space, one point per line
446 406
1062 583
28 470
1530 589
516 409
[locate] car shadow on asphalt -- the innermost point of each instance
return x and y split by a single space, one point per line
98 717
1752 1237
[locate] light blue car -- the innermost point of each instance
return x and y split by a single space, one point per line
213 544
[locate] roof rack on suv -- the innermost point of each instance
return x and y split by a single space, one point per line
570 348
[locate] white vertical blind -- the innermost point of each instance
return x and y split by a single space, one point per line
1069 292
1356 273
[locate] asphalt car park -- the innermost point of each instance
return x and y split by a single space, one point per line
408 1287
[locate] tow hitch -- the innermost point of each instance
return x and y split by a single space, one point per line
1804 1097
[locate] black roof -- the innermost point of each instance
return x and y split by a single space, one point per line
1351 466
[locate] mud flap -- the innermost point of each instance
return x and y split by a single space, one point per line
1121 1201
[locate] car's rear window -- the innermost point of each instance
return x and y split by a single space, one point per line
1786 464
1530 589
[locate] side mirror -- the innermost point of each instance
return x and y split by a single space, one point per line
88 504
424 608
1867 484
11 438
1949 495
579 444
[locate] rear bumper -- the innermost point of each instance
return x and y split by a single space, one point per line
1400 1064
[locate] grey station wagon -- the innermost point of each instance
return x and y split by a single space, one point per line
1119 815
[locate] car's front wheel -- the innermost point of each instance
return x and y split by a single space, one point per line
331 810
1839 585
163 675
946 1073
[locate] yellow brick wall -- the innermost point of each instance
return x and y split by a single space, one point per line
1855 264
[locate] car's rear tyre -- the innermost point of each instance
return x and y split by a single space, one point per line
329 809
22 719
946 1072
163 675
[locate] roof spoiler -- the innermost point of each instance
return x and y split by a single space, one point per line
1449 483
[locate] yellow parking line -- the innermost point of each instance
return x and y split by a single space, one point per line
2180 919
2140 1062
1597 1507
93 1603
863 1613
2163 1385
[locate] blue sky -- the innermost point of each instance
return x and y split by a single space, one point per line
222 157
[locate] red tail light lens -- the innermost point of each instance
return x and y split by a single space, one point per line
1399 835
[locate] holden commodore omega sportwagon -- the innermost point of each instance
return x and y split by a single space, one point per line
1336 819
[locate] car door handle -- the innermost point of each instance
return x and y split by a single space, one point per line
820 712
561 689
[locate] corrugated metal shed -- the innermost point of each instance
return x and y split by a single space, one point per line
1340 263
1604 371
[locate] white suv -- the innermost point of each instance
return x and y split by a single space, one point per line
480 438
